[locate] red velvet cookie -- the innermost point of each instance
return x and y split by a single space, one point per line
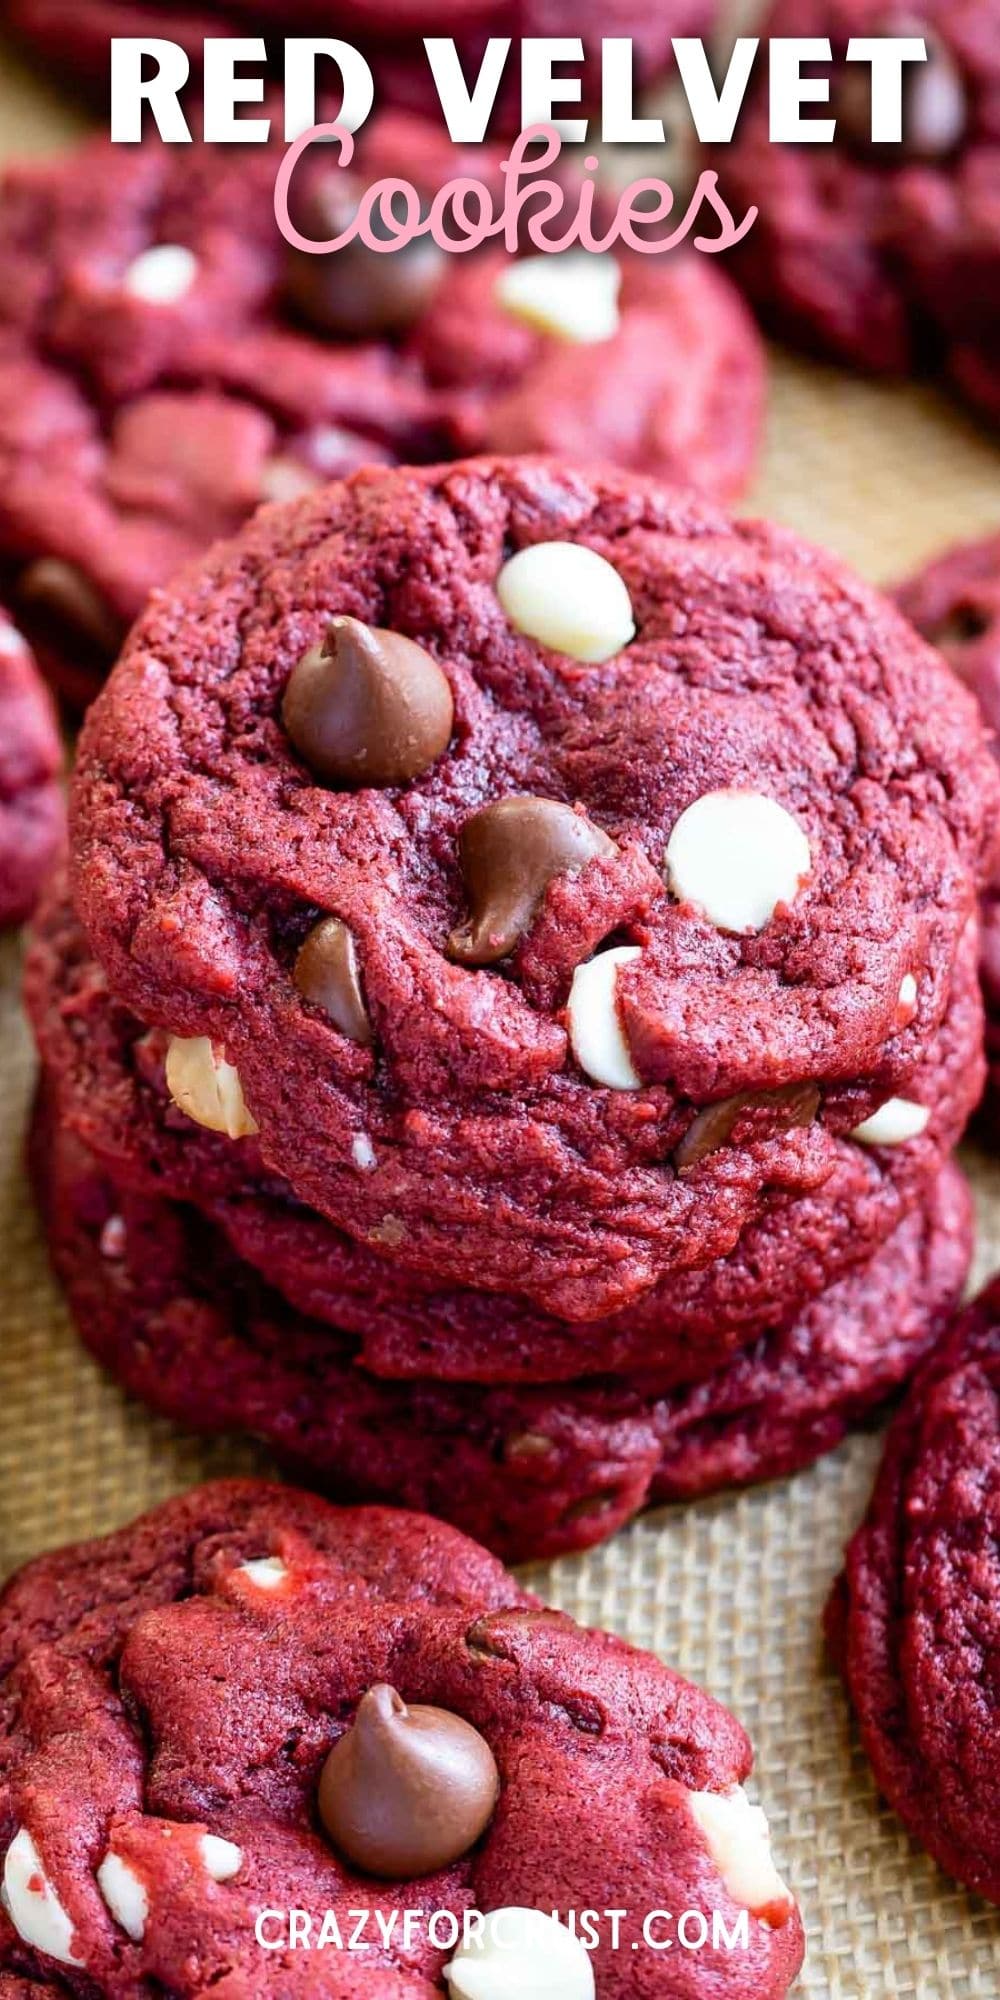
164 1305
914 1620
721 757
167 363
107 1074
157 381
955 603
75 35
682 342
250 1701
32 815
884 256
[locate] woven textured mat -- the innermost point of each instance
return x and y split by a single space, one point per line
730 1591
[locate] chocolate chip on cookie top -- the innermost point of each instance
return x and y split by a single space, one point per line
356 293
735 856
915 1618
521 1952
407 1790
327 974
109 1087
569 597
396 1669
510 852
207 1088
955 603
624 809
368 707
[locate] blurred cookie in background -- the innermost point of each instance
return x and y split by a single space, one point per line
534 1472
886 257
74 36
168 362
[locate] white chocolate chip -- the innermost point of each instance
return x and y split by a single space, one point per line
735 856
574 296
567 597
739 1841
114 1237
207 1088
125 1894
908 992
162 274
895 1121
285 478
32 1904
222 1858
363 1152
265 1573
521 1955
595 1030
330 445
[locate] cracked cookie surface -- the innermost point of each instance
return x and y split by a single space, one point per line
165 1305
107 1073
206 850
168 363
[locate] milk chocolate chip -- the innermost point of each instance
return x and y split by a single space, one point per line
368 707
61 594
326 972
357 293
795 1104
407 1791
510 852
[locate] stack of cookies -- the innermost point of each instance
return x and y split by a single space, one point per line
168 362
516 997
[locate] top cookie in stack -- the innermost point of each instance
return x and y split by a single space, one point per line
545 893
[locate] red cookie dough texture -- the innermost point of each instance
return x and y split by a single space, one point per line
32 815
75 35
167 363
107 1075
206 850
170 1698
883 256
955 603
914 1620
166 1307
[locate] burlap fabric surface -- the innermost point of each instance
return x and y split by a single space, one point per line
730 1591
